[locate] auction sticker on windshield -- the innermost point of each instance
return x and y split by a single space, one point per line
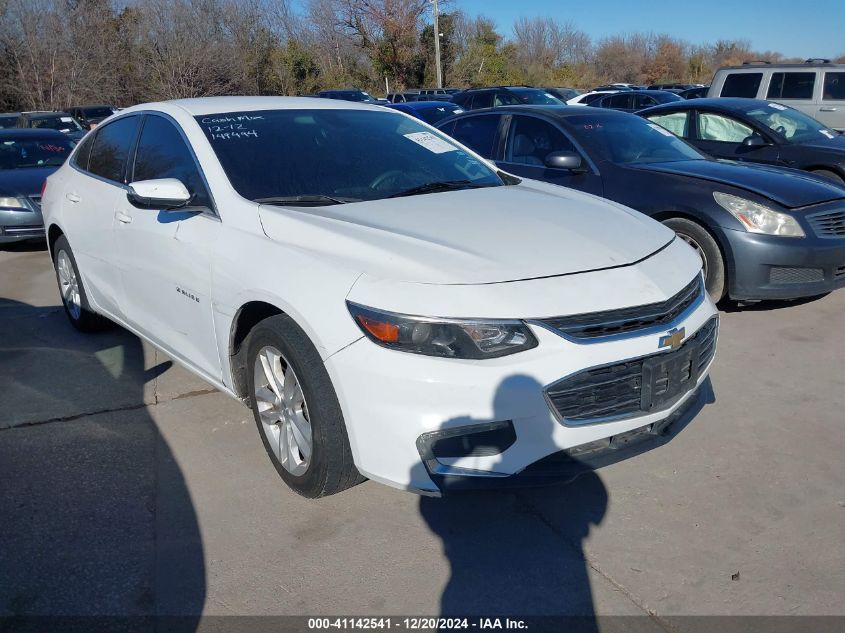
431 142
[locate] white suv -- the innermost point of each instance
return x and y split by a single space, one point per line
386 301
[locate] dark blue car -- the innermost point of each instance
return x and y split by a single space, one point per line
429 111
27 157
762 232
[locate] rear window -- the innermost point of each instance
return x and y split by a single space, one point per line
792 86
834 87
742 85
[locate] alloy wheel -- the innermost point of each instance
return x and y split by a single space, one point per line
283 410
69 285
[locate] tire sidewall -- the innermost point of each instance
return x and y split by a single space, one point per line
323 407
62 245
716 280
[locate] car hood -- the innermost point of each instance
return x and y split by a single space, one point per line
24 182
788 187
835 144
472 236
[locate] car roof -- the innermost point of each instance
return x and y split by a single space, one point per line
14 114
561 112
16 133
754 65
47 114
201 106
732 104
417 105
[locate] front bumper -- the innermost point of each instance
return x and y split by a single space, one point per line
771 267
20 225
397 405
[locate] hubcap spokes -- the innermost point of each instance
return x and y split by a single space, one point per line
69 285
283 410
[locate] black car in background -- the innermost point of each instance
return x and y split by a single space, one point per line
503 95
359 96
27 157
60 121
756 131
90 115
762 232
633 100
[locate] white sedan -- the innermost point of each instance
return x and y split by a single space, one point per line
387 302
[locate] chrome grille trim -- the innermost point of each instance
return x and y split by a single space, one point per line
596 327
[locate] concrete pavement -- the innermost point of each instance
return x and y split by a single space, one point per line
131 487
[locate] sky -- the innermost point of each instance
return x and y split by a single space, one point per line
793 27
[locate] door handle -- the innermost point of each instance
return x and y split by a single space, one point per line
73 197
827 109
123 217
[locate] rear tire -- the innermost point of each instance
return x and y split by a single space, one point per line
297 411
830 175
72 291
703 243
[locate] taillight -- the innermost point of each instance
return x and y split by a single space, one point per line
43 188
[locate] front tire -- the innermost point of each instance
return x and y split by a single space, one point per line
703 243
72 291
296 410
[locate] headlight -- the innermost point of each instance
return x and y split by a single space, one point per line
758 218
450 338
12 203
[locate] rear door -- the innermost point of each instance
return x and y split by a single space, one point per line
89 203
831 108
721 135
165 256
529 140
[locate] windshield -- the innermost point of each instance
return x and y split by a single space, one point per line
7 121
630 140
337 155
33 152
536 97
97 113
790 124
62 123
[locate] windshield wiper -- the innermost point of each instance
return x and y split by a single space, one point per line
310 200
442 185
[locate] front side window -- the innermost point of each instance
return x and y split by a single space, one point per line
532 140
742 85
676 122
834 87
330 156
792 86
717 127
112 144
643 101
162 153
478 133
505 99
22 153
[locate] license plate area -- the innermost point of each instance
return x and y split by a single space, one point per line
667 377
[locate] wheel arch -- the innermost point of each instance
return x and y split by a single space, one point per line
834 169
246 318
54 232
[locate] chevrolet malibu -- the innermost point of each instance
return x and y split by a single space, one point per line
388 303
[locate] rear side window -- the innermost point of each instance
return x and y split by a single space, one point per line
791 86
482 100
80 158
617 101
479 133
503 98
643 101
111 149
162 153
834 87
742 85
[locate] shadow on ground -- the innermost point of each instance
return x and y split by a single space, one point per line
95 515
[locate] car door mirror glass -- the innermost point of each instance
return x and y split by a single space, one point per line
163 194
564 160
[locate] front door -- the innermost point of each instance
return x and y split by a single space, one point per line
721 136
165 256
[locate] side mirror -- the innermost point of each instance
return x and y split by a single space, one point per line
162 194
564 160
754 141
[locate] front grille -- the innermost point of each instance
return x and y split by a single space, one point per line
796 275
828 223
643 385
624 320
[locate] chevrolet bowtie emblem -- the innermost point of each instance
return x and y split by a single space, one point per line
673 339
